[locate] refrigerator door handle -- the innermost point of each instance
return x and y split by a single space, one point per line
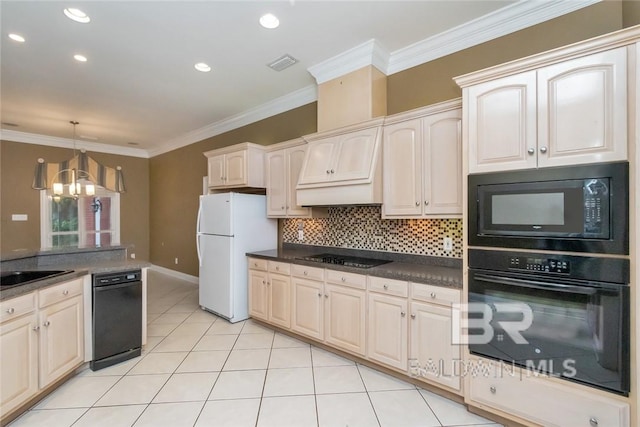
198 249
199 215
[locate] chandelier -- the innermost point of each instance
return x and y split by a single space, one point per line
81 174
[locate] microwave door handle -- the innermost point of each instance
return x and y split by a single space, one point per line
532 284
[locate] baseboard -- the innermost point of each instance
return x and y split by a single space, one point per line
177 274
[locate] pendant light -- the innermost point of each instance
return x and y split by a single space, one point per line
73 175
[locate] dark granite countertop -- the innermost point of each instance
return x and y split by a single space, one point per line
78 269
436 271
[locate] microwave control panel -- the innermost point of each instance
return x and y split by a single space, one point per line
543 265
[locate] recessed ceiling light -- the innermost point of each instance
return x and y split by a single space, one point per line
16 37
270 21
77 15
80 58
201 66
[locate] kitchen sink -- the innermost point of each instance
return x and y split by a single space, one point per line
13 278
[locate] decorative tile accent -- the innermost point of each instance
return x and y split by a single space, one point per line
361 227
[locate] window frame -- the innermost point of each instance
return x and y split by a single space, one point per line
46 234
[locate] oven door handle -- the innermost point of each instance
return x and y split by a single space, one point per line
533 284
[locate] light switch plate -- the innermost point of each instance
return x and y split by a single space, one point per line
447 244
19 217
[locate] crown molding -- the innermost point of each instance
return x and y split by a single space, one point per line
505 21
287 102
52 141
368 53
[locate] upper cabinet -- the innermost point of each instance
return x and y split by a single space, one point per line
567 113
422 163
283 167
240 165
342 167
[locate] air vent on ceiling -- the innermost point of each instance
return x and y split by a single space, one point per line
285 61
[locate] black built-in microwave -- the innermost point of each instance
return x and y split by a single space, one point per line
574 208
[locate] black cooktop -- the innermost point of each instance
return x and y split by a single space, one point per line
347 261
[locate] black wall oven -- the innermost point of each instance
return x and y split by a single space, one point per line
566 316
575 208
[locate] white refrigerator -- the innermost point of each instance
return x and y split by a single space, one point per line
229 226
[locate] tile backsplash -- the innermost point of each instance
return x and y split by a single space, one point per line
361 227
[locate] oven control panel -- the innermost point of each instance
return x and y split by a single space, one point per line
543 265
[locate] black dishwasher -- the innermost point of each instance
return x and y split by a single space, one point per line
116 318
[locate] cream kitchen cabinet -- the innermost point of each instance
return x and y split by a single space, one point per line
307 305
41 340
240 165
345 308
270 292
433 355
521 393
387 325
570 112
282 171
422 163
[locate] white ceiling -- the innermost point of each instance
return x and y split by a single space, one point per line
139 84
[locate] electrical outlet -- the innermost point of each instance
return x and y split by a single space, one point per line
447 244
301 235
176 260
133 255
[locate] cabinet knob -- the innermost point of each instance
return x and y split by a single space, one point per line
402 313
319 294
492 389
328 172
268 283
65 292
305 272
593 421
543 150
36 328
255 264
531 151
413 316
385 287
433 294
282 207
332 171
11 310
264 282
47 323
326 295
343 279
426 203
277 268
287 207
417 203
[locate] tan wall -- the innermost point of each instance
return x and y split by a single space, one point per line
18 163
432 82
630 13
176 183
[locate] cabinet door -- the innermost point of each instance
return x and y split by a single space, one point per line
387 326
295 159
258 294
432 355
236 168
215 171
308 315
280 300
61 339
276 184
582 110
502 123
19 367
356 153
402 169
318 162
345 318
442 163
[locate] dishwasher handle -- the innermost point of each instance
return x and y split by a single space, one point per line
103 288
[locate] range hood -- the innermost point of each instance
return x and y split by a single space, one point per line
343 167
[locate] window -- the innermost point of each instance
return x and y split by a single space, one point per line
85 221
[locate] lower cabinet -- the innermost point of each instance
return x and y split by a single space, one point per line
41 340
387 330
345 318
270 292
307 307
541 400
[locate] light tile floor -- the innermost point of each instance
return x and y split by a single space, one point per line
199 370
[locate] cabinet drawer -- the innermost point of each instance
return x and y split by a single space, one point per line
258 264
61 292
15 307
279 267
347 279
311 273
389 286
524 395
435 294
